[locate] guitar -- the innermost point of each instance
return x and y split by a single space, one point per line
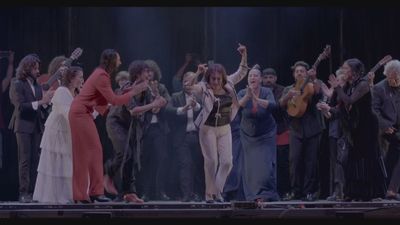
381 62
297 105
57 75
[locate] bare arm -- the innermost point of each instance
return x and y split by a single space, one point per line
243 68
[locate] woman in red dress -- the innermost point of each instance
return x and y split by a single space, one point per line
87 154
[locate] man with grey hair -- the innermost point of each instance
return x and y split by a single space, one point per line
386 104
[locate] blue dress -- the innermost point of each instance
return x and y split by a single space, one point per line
258 137
233 188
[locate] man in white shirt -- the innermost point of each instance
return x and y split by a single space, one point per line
183 109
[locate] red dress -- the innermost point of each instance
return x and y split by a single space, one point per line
87 154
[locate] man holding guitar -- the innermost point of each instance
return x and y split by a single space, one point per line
305 134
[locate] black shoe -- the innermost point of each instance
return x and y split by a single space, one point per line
99 198
210 201
25 198
82 202
310 197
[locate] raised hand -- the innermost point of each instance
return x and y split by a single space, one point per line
371 77
201 68
48 95
333 81
242 49
249 92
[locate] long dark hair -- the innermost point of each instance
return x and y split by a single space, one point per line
357 67
25 66
108 60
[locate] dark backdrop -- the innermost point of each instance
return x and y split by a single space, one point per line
274 36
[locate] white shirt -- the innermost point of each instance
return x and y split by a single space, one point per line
190 124
35 104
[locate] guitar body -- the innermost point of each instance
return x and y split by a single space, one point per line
297 106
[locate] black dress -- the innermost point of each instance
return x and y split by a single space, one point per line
364 173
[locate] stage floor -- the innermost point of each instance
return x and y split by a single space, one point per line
384 209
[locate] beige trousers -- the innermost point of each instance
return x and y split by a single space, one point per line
216 146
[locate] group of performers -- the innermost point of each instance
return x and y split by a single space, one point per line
229 144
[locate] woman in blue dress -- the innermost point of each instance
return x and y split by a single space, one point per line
257 134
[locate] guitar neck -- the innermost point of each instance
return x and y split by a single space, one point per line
56 75
375 68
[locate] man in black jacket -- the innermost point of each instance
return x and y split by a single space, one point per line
28 122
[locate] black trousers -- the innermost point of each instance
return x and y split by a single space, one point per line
191 166
125 183
338 159
393 164
154 171
303 156
283 174
28 159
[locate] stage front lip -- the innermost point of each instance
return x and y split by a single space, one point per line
173 209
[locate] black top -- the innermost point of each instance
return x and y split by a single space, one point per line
221 113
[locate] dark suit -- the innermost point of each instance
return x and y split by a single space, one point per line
154 156
28 126
385 103
305 135
187 147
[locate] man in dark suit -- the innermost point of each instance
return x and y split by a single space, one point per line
305 134
269 78
184 108
27 121
386 104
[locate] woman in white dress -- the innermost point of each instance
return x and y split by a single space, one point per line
54 179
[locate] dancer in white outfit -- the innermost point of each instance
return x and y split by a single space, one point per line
54 180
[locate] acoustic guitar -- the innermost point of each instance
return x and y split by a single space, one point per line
57 75
297 105
381 62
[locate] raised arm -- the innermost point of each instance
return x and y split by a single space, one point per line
360 90
103 85
243 68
